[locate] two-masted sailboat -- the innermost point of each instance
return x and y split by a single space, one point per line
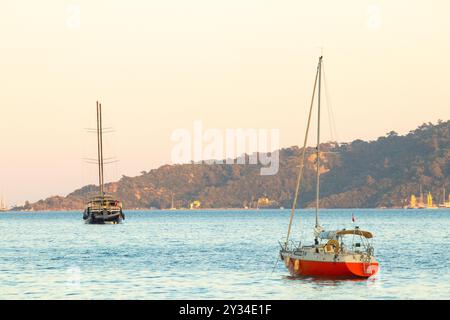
102 208
336 253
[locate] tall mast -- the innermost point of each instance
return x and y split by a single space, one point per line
172 202
318 145
443 194
421 194
100 148
302 163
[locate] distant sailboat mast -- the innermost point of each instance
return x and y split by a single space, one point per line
3 204
443 195
421 195
172 207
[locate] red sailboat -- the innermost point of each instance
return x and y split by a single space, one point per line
338 253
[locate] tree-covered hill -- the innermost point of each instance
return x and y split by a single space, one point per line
384 172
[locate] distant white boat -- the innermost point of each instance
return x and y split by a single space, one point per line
3 206
444 204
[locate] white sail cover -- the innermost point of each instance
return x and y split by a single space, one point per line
340 233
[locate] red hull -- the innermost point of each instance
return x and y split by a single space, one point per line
332 269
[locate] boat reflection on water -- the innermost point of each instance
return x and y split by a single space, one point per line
327 281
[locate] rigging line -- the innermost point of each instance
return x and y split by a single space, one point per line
97 163
276 264
107 159
111 174
300 174
103 131
332 121
82 166
116 171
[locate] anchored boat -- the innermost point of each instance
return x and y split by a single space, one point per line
103 208
338 253
3 206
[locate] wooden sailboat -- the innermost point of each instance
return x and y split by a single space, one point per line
337 253
102 209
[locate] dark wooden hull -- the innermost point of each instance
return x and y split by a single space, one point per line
113 218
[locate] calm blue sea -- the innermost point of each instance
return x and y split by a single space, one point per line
213 255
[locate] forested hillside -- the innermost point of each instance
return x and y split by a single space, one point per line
362 174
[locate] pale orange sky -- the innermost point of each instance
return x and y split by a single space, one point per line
160 65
